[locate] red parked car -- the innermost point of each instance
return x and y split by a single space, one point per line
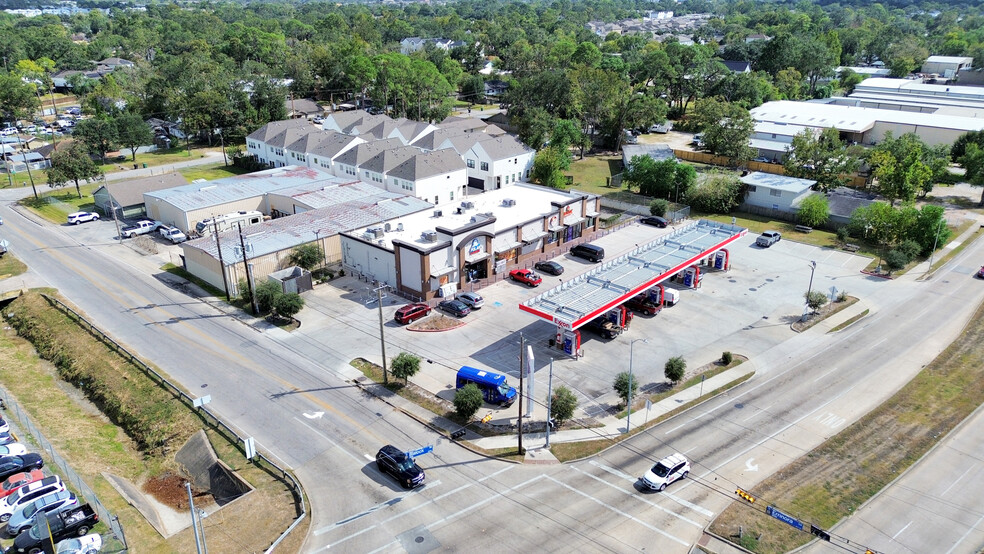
18 480
411 312
526 276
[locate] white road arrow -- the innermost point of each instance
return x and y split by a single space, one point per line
748 464
315 415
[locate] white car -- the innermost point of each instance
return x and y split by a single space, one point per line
89 544
666 471
28 494
13 449
82 217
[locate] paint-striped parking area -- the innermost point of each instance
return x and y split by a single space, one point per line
588 507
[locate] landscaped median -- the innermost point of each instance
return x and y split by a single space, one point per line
834 479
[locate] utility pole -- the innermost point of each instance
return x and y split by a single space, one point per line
112 208
519 397
222 145
218 247
249 277
939 228
20 145
194 521
382 339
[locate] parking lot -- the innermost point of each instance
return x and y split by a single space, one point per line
745 310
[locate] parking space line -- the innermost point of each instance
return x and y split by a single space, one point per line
677 499
620 512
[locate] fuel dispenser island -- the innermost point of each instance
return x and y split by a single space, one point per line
722 260
691 277
570 341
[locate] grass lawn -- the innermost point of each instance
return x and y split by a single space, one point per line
591 173
211 172
57 204
831 481
10 266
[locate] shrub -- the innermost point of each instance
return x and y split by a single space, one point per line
675 368
287 305
307 256
266 295
467 400
658 207
244 292
726 358
622 385
910 249
895 260
815 299
405 366
814 210
562 404
843 234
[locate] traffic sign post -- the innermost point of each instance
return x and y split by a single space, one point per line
420 451
787 519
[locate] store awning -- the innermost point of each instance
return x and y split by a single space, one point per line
440 272
556 228
507 247
476 258
533 237
570 221
592 214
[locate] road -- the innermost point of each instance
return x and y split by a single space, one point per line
303 409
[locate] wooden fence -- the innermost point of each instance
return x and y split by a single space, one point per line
855 181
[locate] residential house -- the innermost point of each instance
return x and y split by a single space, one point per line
756 37
320 148
496 88
438 176
268 142
738 66
658 152
303 108
947 66
774 195
498 161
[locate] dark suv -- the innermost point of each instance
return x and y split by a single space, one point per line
391 460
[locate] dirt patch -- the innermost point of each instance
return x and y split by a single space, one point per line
170 489
437 322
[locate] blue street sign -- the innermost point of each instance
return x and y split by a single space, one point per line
784 518
427 449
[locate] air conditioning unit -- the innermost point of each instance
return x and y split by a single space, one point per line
508 202
438 213
399 227
376 231
429 236
468 205
387 227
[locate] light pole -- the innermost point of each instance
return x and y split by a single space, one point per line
813 268
628 402
936 239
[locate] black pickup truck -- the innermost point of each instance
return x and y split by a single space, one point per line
72 523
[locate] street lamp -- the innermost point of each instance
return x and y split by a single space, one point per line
939 229
813 268
628 402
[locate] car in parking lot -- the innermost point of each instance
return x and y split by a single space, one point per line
52 503
553 268
29 493
655 221
671 468
472 299
13 449
763 159
172 234
526 276
18 480
89 544
642 304
7 438
411 312
82 217
768 238
4 426
392 460
10 465
456 308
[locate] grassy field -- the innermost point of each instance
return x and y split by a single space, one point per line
591 174
93 445
211 172
10 266
830 482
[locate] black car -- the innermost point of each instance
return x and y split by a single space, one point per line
391 460
552 268
72 523
456 308
10 465
655 221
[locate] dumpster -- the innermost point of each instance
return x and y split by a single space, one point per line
145 166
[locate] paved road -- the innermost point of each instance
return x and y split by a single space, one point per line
299 404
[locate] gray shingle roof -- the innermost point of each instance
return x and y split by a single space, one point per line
502 147
290 135
268 131
428 164
434 139
360 153
388 159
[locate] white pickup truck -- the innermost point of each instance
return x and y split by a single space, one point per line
172 234
139 228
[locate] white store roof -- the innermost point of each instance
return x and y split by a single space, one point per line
855 119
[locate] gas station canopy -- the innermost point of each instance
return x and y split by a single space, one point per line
585 297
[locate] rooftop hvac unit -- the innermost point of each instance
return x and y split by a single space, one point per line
429 236
438 213
376 231
387 227
508 202
468 205
399 227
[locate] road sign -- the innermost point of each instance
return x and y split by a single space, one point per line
249 445
421 450
790 520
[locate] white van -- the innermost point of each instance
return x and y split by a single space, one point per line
670 296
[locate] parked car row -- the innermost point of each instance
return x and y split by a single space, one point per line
33 505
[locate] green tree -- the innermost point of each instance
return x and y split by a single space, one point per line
895 260
814 210
467 400
821 156
307 256
17 98
726 128
287 305
97 134
404 366
815 299
790 83
133 132
675 368
267 293
562 404
719 193
625 387
72 164
658 207
548 167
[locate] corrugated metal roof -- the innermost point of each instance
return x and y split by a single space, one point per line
778 182
582 298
